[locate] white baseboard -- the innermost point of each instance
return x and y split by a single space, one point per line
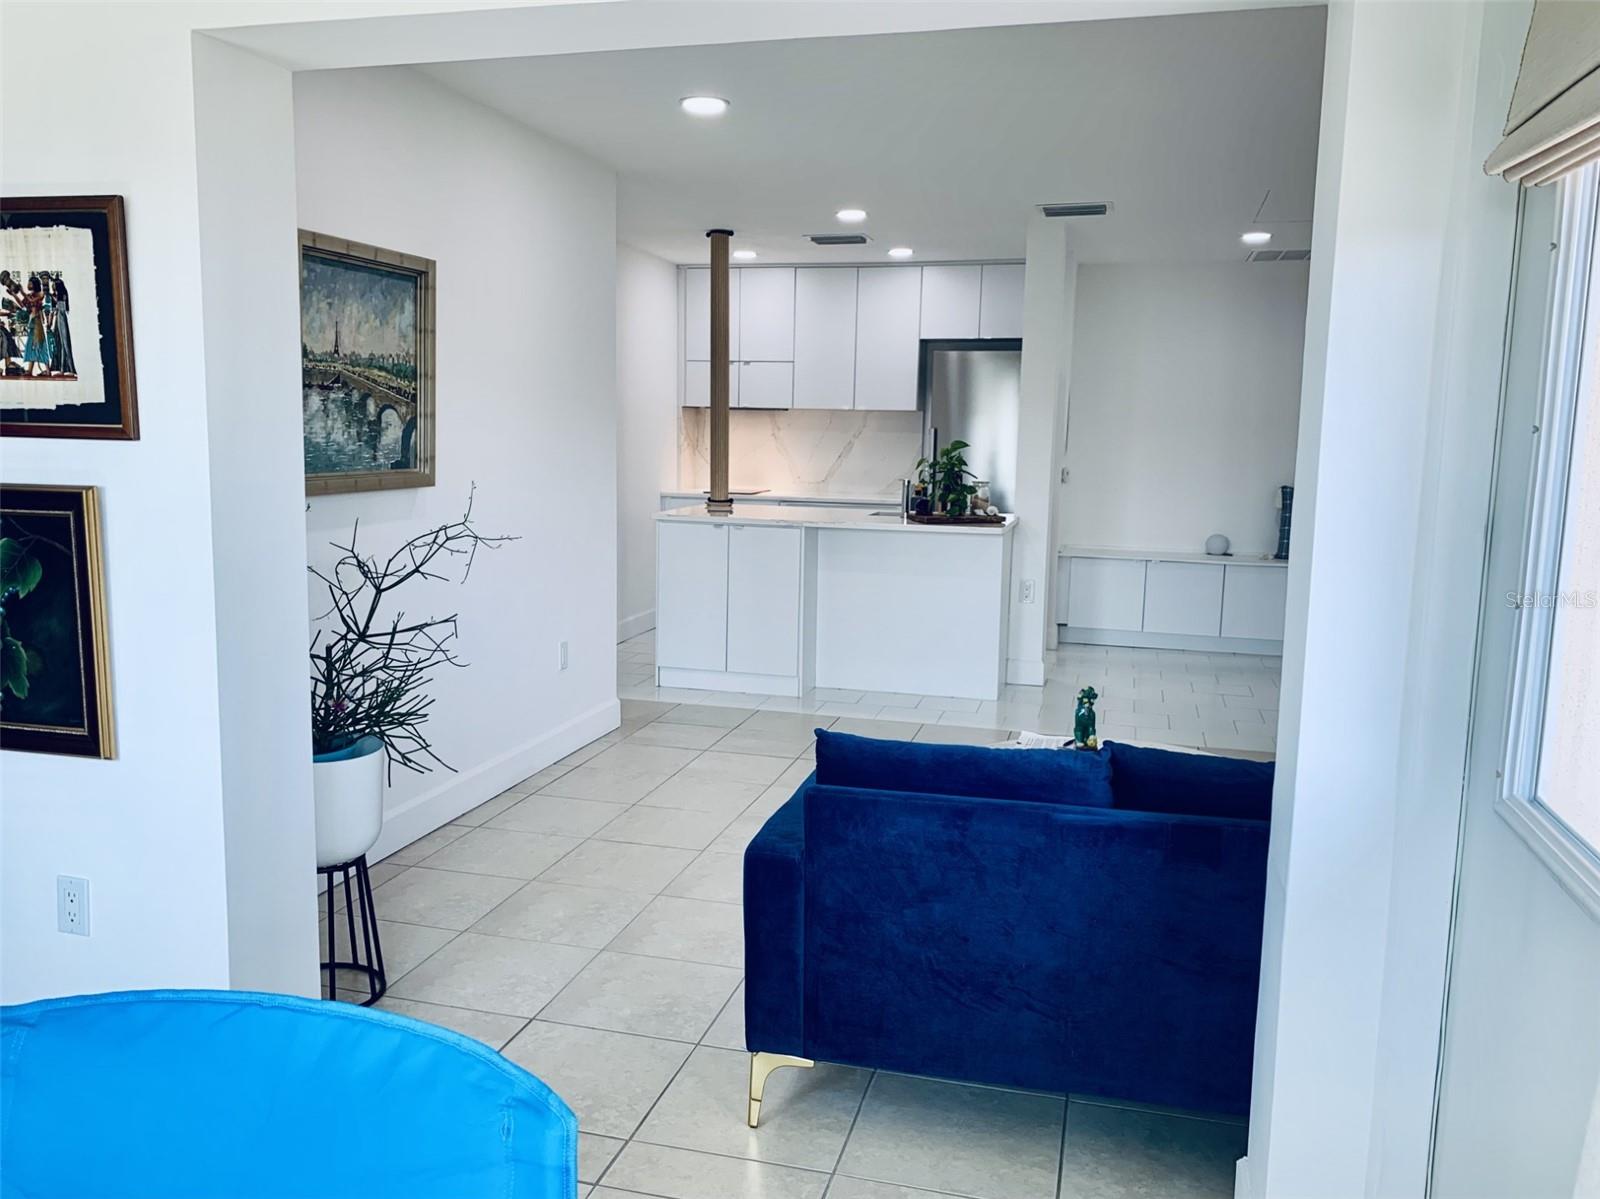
457 794
632 626
1025 672
1243 1187
724 680
1073 635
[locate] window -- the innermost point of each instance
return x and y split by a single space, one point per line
1552 768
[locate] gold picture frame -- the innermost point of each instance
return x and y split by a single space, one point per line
55 687
367 366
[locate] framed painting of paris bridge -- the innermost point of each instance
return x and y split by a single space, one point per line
366 366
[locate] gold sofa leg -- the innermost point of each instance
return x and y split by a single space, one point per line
761 1065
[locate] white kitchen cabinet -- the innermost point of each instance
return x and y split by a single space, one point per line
1183 597
1000 311
824 337
763 606
1106 593
692 596
1253 600
766 314
697 384
888 337
697 314
950 299
764 385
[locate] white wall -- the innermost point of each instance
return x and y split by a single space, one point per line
647 425
146 829
1184 404
526 389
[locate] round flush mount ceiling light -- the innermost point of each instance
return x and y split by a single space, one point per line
703 106
744 254
851 216
900 252
1256 237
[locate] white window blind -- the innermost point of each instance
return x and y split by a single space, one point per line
1553 125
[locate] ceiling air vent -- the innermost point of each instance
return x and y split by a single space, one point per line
1296 256
1278 256
1088 208
838 239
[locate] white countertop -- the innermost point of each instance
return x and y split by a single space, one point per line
1103 551
746 513
794 496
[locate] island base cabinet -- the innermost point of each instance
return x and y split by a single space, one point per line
728 602
691 596
764 600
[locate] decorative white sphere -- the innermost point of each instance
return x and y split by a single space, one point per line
1217 545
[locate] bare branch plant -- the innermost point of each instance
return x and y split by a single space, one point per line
370 671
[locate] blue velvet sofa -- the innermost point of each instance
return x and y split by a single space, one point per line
1045 919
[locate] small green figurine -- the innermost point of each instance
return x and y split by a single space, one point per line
1083 720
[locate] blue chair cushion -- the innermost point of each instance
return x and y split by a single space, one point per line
199 1094
1180 784
975 771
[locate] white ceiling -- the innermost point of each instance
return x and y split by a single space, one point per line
1187 124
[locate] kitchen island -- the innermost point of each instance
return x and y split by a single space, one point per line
777 600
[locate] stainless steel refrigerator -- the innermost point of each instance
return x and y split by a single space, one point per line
972 391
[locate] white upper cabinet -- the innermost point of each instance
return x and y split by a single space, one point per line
763 385
766 314
697 314
888 337
697 384
825 337
1000 313
950 296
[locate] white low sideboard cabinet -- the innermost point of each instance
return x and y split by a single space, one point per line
1171 601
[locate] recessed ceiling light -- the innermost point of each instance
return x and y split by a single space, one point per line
1256 237
704 106
851 216
744 253
900 252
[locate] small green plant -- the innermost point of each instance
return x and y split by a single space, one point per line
20 573
945 478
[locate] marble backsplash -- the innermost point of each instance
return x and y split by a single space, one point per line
804 450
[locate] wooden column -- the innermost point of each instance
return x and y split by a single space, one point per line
718 501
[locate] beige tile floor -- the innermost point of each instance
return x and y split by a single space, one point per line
1172 697
587 923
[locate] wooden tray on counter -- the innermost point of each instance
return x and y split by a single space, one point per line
944 518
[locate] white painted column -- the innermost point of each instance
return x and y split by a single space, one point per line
1410 265
244 149
1049 292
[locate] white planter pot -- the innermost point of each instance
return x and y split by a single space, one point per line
349 795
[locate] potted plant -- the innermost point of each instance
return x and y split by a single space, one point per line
370 669
945 478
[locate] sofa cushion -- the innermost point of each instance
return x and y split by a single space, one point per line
1161 780
1040 775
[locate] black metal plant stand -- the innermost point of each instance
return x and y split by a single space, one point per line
368 962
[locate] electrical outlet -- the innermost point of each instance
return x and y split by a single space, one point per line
72 905
562 656
1027 591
